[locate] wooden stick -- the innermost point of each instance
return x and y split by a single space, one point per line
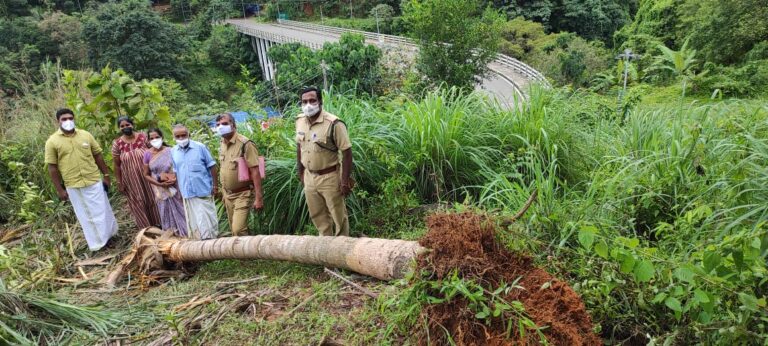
358 287
508 221
72 252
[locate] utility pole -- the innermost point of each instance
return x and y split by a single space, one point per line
324 66
350 9
378 32
242 2
627 56
276 89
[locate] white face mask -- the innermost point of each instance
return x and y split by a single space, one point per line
68 125
183 142
224 130
156 143
310 110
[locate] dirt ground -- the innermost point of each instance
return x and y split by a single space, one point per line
467 243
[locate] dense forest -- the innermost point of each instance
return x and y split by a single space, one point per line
648 157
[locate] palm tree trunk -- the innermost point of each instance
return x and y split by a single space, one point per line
384 259
381 258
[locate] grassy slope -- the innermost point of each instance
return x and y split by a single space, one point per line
596 189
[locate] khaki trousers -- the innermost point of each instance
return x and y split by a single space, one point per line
238 207
326 204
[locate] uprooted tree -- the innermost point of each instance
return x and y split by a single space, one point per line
384 259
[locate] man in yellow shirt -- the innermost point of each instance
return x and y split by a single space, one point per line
74 162
239 196
324 159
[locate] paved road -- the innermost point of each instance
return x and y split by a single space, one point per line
504 83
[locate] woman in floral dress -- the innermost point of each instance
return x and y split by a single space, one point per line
127 153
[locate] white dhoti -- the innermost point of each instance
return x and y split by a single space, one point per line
94 213
202 222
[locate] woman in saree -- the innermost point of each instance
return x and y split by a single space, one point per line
127 154
158 172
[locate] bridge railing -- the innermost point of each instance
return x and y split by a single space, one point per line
275 37
336 30
518 66
524 69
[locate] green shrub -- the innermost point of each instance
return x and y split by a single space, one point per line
569 59
748 80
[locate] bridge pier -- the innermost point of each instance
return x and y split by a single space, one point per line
261 47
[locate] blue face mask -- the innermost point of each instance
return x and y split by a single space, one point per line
224 130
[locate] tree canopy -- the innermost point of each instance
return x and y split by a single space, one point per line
457 39
591 19
130 36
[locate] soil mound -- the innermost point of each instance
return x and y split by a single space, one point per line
466 243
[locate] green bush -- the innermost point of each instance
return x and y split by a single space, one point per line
519 37
569 59
748 80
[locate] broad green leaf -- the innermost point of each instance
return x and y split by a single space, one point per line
644 271
710 305
627 264
118 92
738 258
601 249
673 304
684 274
586 237
156 97
701 296
704 317
749 301
711 260
163 115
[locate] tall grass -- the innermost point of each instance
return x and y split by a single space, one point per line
447 138
25 125
682 190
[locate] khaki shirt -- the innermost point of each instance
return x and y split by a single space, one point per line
229 152
313 156
74 155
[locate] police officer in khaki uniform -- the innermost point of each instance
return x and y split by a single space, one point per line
238 196
322 140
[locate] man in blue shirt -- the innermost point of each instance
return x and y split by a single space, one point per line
198 183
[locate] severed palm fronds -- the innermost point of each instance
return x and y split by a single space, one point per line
29 319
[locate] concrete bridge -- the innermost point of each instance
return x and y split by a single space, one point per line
509 78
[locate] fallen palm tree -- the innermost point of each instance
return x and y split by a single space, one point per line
384 259
464 252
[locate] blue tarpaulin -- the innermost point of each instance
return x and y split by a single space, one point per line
242 116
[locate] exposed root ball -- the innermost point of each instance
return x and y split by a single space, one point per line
466 243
